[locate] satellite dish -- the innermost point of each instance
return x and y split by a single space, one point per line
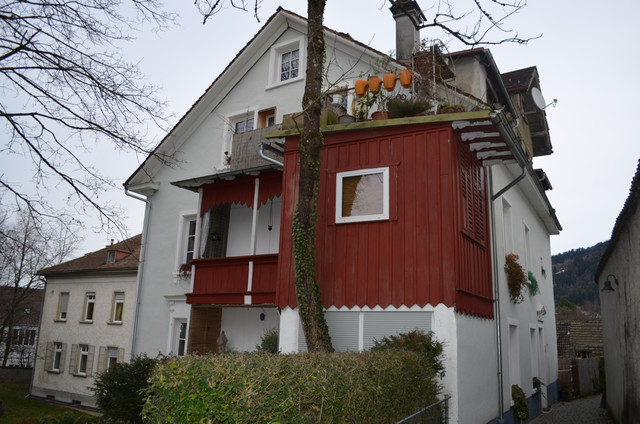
537 98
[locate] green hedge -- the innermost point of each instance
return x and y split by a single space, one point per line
370 387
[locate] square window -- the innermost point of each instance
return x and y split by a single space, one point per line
362 195
286 62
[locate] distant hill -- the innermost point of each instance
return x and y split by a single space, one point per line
573 275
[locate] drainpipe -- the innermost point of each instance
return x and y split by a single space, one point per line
267 158
496 296
143 248
35 354
506 131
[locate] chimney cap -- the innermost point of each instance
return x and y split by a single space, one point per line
410 8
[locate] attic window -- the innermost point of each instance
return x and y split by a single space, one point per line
286 60
111 257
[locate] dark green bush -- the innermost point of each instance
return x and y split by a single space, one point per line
416 341
371 387
119 390
520 405
269 342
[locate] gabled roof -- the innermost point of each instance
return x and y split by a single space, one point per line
127 256
279 22
624 220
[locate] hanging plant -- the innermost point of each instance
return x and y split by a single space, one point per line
533 285
520 406
515 278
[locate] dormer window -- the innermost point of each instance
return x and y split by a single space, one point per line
111 257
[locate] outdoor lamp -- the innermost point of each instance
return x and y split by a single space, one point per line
607 283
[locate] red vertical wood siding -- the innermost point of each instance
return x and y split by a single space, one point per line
414 257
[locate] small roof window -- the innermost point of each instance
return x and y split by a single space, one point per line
111 257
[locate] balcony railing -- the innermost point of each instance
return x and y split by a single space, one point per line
240 280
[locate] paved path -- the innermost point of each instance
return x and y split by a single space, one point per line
583 411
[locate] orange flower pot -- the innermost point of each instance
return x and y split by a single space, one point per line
390 81
361 87
374 84
406 76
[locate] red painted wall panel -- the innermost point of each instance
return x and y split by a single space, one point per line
413 257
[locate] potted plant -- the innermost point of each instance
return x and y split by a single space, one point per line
400 107
447 108
515 278
360 106
381 101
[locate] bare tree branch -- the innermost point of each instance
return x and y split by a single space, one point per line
64 88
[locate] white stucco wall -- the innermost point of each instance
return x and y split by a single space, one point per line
244 328
534 354
621 324
64 385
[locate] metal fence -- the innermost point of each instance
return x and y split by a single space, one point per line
436 413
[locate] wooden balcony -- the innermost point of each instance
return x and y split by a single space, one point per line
240 280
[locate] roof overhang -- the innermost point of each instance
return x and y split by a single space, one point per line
194 184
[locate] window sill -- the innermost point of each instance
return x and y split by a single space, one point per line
114 322
53 371
79 374
273 85
59 320
86 322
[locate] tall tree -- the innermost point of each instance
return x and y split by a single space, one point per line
26 246
63 89
446 18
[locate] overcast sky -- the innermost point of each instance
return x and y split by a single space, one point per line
587 58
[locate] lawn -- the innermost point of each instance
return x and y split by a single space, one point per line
18 410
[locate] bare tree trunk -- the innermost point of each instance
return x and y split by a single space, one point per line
310 307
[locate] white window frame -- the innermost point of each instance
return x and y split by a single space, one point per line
83 359
183 233
63 306
112 356
385 195
89 299
179 322
56 363
275 61
116 302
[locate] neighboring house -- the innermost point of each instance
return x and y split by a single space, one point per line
579 338
415 219
87 321
23 326
617 277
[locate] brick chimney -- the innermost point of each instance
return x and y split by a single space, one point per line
408 17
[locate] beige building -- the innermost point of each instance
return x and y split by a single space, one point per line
87 321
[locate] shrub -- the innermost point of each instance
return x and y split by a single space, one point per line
269 342
370 387
119 390
520 405
416 341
